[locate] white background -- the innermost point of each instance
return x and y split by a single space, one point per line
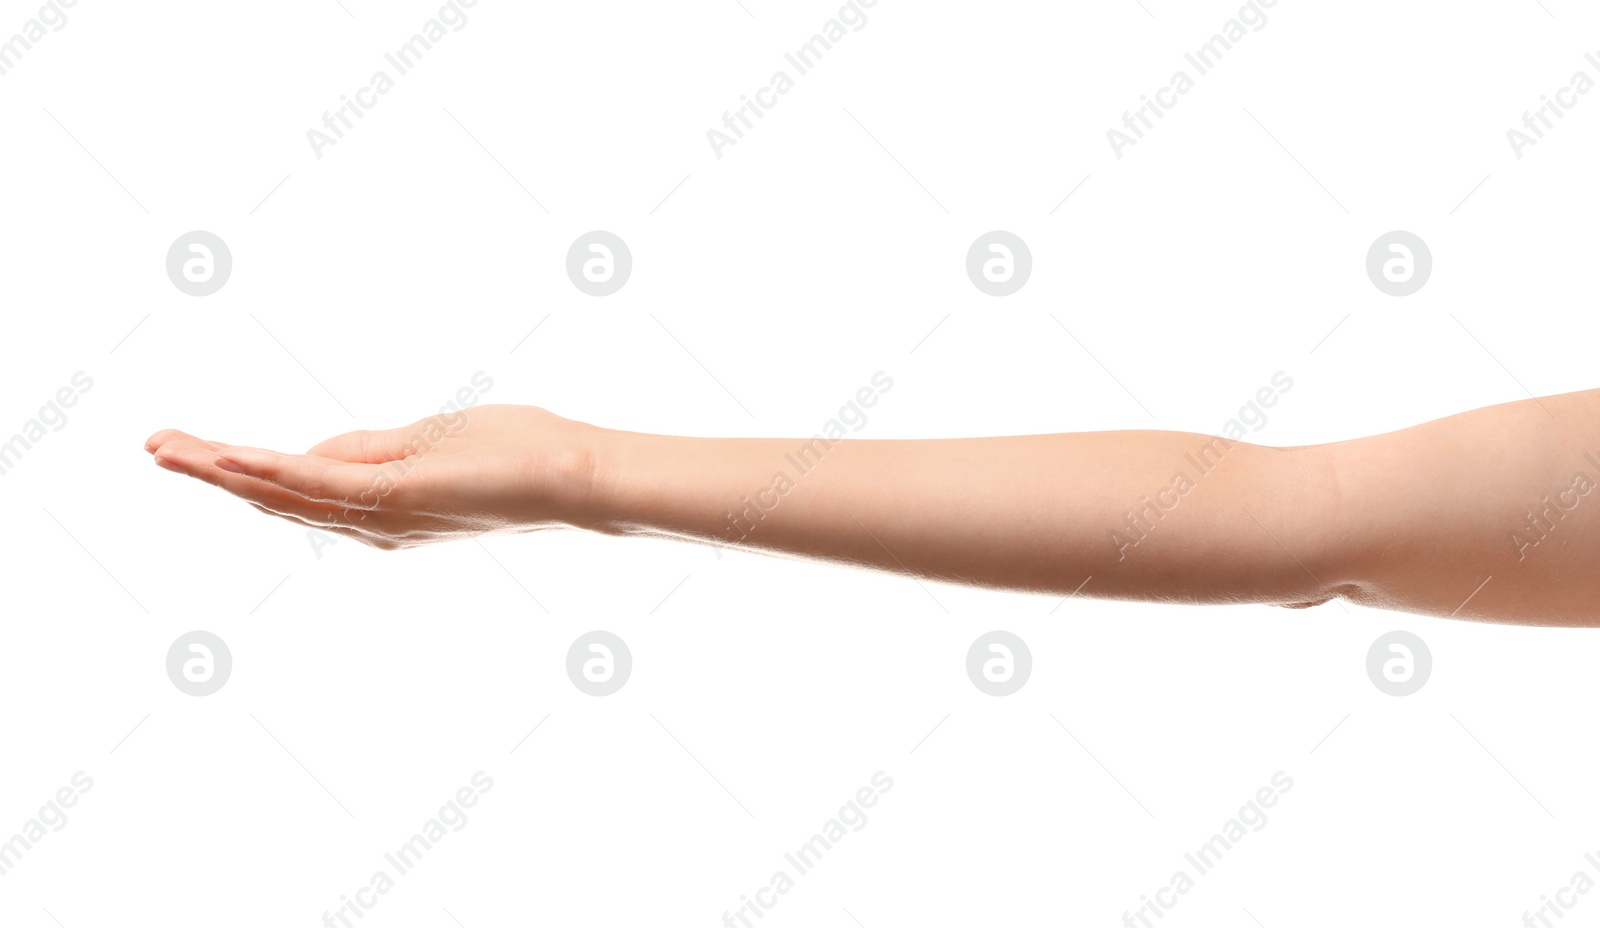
367 687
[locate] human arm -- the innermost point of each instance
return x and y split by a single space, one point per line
1414 520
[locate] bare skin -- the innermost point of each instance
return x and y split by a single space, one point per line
1486 515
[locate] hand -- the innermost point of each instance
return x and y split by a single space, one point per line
488 469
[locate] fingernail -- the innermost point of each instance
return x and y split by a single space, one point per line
229 466
165 464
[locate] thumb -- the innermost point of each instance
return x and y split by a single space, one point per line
372 446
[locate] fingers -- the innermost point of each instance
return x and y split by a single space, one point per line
359 447
155 442
320 480
369 446
196 459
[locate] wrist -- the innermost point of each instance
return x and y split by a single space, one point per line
594 498
639 483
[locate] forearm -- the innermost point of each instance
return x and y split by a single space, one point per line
1143 515
1480 515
